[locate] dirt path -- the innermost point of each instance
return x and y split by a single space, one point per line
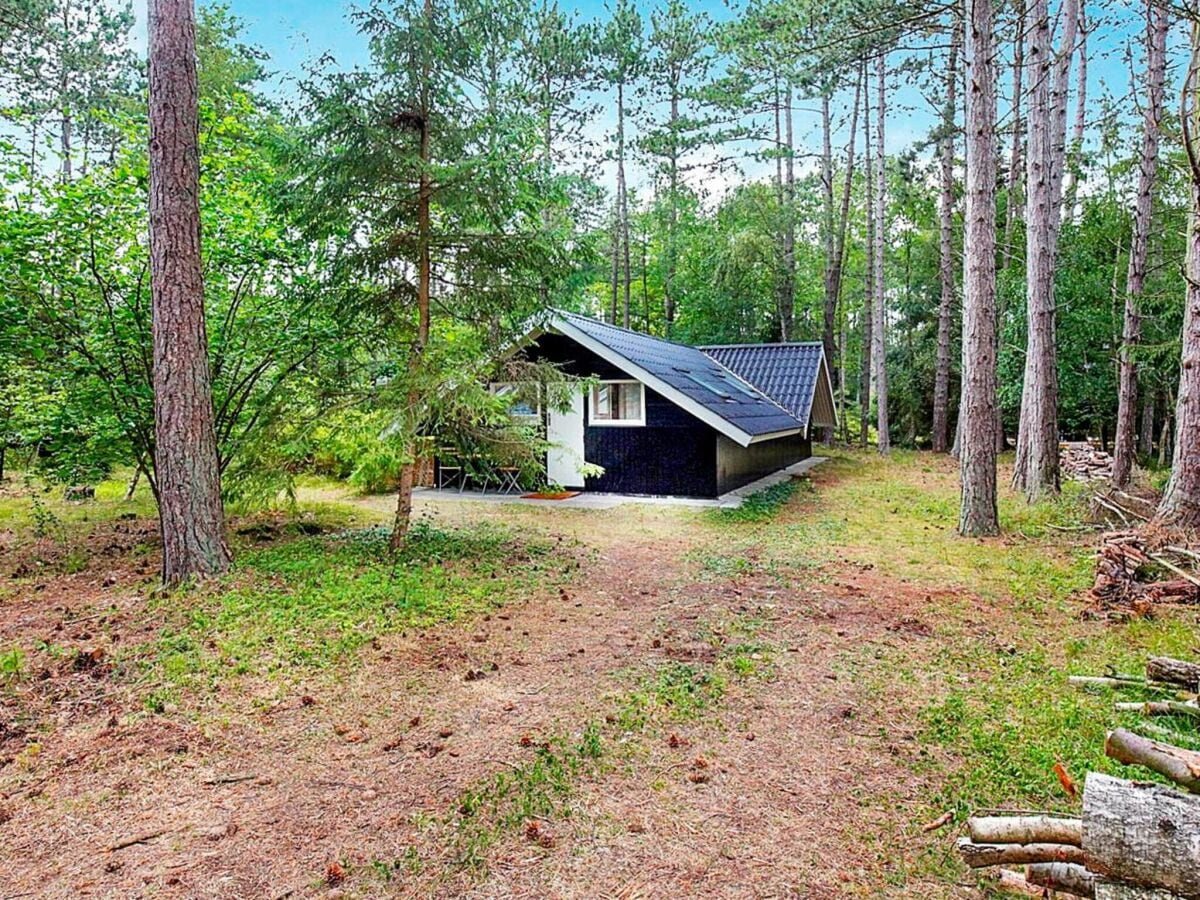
783 786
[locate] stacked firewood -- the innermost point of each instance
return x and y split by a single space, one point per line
1134 841
1080 461
1136 569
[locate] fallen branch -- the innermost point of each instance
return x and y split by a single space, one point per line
979 855
1160 708
1069 877
230 779
941 821
1025 830
1171 567
143 838
1176 671
1181 766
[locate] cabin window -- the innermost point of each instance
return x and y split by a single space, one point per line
618 403
525 400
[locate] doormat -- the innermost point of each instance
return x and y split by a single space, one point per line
550 495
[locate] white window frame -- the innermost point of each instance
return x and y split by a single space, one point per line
501 387
617 423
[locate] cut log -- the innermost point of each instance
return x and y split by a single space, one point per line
1069 877
1006 881
1181 766
1160 708
1114 890
1145 834
979 855
1108 680
1177 671
1025 830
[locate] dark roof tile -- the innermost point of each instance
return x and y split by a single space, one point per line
787 373
700 376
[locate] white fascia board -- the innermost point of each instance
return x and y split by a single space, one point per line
673 394
770 436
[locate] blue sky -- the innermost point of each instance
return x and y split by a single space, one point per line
293 32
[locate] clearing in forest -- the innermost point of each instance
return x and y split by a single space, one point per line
641 701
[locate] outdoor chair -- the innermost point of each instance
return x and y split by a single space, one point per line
450 469
509 479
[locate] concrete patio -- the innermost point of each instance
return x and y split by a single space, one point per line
595 500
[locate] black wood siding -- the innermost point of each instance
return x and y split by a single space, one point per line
673 453
738 465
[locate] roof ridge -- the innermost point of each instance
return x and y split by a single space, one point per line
634 331
764 344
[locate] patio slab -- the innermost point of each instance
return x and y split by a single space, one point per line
598 500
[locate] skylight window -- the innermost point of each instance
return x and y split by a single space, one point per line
705 383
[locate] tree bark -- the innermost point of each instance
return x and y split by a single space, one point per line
416 357
1175 671
1013 205
1180 503
1146 437
867 355
879 331
1179 765
1069 877
978 511
622 204
1112 890
1025 829
1036 469
64 85
979 855
833 285
1074 150
191 515
1142 833
787 311
615 283
1157 19
941 382
673 221
828 242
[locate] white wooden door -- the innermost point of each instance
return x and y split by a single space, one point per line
565 432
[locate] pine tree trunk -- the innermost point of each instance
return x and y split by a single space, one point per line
1013 205
941 381
1036 468
64 84
1146 438
879 335
673 221
1180 504
622 205
403 517
615 280
191 515
1156 42
1071 179
834 284
868 308
978 514
787 312
828 239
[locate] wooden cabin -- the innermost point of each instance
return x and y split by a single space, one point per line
669 419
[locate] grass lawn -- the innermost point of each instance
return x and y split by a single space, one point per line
528 700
